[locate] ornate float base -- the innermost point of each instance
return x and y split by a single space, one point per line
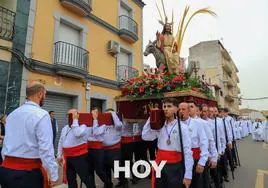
138 108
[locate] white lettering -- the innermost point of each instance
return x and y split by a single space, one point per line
125 169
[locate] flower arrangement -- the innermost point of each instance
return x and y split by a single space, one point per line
158 81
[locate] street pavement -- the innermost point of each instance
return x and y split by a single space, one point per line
253 172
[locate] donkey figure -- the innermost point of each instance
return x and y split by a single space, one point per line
159 56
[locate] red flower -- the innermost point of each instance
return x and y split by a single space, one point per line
172 85
178 78
152 76
165 81
141 89
124 91
162 68
160 86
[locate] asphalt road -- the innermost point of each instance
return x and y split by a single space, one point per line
253 172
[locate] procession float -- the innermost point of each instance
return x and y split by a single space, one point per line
144 92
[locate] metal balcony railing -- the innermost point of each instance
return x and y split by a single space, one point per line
83 7
7 23
125 73
67 54
128 24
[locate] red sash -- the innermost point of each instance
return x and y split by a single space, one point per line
196 153
17 163
137 138
94 145
126 139
163 155
72 152
115 146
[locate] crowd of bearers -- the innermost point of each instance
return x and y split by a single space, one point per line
197 142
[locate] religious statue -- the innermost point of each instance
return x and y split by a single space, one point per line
167 44
167 48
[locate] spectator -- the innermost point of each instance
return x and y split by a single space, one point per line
54 125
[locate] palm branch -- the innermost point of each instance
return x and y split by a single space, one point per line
182 28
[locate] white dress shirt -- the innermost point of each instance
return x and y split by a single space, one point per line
213 153
198 139
221 142
97 132
149 134
228 130
73 136
29 135
127 129
231 124
112 134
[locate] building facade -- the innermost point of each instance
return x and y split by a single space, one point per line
82 50
211 60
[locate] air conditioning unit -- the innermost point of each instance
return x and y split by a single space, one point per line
113 47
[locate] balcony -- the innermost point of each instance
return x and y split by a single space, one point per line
80 7
236 78
70 60
229 81
7 23
239 101
227 67
128 29
124 73
229 96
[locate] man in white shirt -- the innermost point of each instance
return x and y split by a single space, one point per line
28 145
170 147
228 137
199 142
213 153
73 149
112 143
96 151
127 145
208 115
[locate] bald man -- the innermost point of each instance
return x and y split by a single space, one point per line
199 144
28 145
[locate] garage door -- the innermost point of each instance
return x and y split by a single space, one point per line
60 104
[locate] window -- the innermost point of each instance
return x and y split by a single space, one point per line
124 65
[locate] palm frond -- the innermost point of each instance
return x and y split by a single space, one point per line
183 29
159 12
181 26
162 2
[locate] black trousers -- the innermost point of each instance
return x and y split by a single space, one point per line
152 147
126 155
1 159
206 178
223 165
215 176
76 165
21 178
109 157
171 176
197 181
140 153
96 164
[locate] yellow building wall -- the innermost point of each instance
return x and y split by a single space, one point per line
110 93
5 55
68 85
100 62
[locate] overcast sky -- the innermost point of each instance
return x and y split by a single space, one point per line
243 26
